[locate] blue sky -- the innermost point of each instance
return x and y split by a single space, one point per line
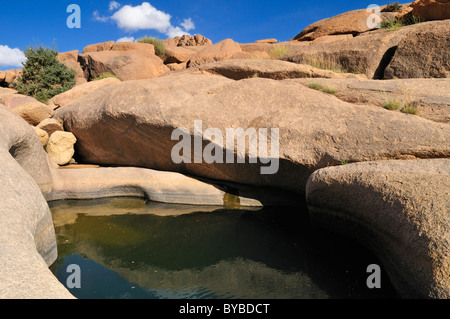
44 22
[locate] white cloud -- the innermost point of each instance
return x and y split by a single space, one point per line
113 5
98 17
11 57
126 39
144 17
188 24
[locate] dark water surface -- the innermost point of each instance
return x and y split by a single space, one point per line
130 248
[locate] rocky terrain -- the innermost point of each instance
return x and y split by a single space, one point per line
364 138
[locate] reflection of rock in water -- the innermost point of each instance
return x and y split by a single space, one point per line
237 278
65 212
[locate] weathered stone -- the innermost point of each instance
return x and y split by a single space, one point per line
270 41
60 147
216 52
399 209
423 53
98 47
127 65
427 10
272 69
79 91
186 40
43 135
430 96
12 99
50 126
368 53
27 237
34 112
352 22
132 123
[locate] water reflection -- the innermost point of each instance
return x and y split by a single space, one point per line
129 248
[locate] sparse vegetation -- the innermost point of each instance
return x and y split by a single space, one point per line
43 75
392 7
393 104
407 107
320 87
326 62
106 75
391 24
344 163
160 47
278 52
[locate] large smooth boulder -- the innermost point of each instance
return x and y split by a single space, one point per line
238 69
423 53
79 91
27 236
129 61
368 53
34 112
352 22
431 97
216 52
132 123
399 209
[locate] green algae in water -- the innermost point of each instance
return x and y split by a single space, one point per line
130 248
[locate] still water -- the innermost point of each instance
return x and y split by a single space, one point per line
129 248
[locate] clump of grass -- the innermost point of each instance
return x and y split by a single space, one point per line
160 47
392 7
320 87
106 75
407 107
393 104
391 24
329 62
278 52
344 163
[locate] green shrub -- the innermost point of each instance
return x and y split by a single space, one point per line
106 75
160 47
43 75
392 7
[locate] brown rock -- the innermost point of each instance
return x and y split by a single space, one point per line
428 10
79 91
127 65
353 22
147 48
423 53
105 46
270 41
271 69
178 54
131 124
50 126
177 66
13 100
187 40
34 112
369 53
216 52
400 210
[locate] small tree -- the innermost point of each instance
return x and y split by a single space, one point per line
43 75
